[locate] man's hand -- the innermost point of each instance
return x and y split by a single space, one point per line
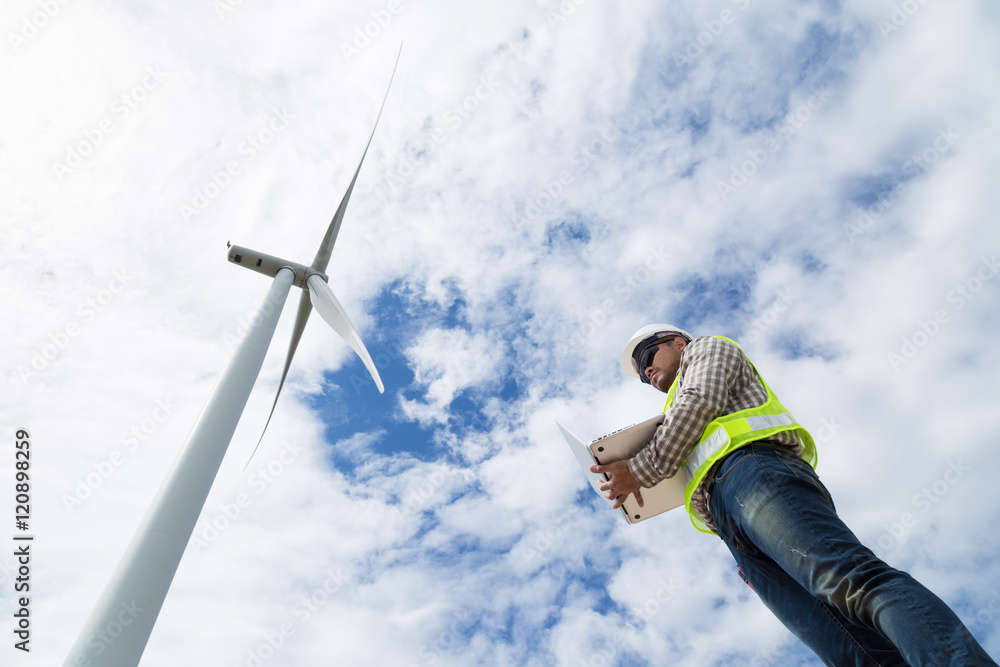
620 483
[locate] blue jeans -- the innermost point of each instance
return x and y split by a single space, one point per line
809 569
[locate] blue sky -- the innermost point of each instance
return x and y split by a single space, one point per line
815 180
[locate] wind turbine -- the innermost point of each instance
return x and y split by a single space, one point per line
117 630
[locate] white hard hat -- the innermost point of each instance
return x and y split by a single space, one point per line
643 338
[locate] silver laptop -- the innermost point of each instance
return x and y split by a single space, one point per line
624 444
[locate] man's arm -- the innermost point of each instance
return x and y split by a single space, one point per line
706 373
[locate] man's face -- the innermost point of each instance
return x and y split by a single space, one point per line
663 368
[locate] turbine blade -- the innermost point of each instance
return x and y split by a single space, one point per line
327 305
305 307
326 247
332 312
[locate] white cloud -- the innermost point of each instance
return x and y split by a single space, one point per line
446 362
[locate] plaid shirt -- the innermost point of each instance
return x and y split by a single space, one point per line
714 378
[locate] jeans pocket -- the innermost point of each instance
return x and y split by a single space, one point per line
802 470
730 463
792 460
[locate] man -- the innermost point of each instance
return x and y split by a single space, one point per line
751 483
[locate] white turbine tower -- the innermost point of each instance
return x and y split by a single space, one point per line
117 630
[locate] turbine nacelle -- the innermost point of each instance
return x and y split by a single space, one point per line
269 265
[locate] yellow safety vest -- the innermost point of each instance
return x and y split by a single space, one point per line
730 432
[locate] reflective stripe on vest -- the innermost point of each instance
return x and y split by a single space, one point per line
729 432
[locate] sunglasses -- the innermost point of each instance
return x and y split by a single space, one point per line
645 357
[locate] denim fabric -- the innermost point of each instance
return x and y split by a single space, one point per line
809 569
